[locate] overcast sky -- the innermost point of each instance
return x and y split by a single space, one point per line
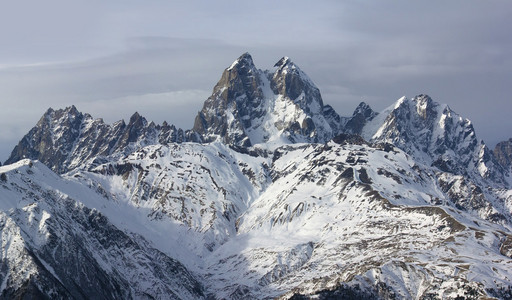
162 58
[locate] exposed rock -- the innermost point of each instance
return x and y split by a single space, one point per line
66 138
506 246
344 139
249 106
503 153
291 200
362 115
436 135
238 94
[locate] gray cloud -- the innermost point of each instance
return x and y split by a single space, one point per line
163 58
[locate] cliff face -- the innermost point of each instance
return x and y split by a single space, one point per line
249 106
503 153
272 194
66 138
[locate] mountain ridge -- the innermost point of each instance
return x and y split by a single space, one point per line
249 106
272 194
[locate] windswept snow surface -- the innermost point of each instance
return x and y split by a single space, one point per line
301 220
280 199
57 243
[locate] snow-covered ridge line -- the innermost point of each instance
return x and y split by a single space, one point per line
57 242
321 199
271 195
66 138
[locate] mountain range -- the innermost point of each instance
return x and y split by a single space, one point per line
271 194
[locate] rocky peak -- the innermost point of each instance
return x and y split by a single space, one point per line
245 60
364 110
249 106
503 153
69 114
433 134
236 95
135 130
66 138
289 81
72 110
336 122
138 122
137 119
283 62
52 138
425 106
240 79
362 114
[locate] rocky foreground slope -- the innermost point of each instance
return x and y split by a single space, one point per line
272 194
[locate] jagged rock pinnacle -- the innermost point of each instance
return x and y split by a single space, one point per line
245 60
282 62
242 111
362 115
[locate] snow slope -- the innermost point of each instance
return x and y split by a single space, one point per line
54 245
280 200
302 220
358 215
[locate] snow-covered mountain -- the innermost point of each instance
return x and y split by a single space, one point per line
64 139
274 107
56 244
434 134
359 216
272 194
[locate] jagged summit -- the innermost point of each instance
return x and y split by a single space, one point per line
244 60
364 109
503 153
239 92
290 81
362 115
418 210
66 138
282 62
434 134
249 106
252 107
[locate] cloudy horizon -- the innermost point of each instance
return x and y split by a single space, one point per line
162 59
